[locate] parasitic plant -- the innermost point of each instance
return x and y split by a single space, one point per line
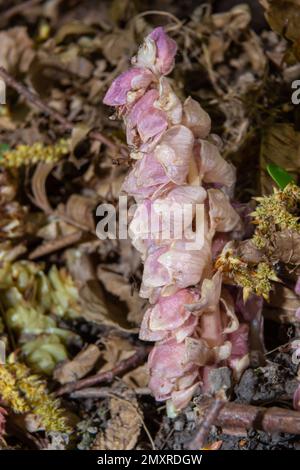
192 317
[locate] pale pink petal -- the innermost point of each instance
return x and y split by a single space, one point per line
145 178
155 275
187 329
227 302
169 359
169 369
144 122
185 267
167 217
170 312
181 398
165 50
239 341
195 118
174 152
188 379
210 294
157 52
197 351
169 102
146 333
223 217
297 286
212 167
296 399
187 194
133 79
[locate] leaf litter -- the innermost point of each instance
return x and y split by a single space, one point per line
70 307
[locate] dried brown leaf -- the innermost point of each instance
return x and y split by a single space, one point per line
38 185
287 247
74 28
80 366
281 146
117 285
96 308
80 209
16 53
283 304
124 426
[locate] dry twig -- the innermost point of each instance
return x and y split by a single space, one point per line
209 419
242 416
45 108
108 376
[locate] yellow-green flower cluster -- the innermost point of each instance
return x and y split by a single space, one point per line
254 279
31 154
26 393
32 300
276 212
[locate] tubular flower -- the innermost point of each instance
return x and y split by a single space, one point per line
191 316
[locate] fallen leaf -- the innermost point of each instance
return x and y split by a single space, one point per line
80 366
75 28
118 286
284 16
282 305
39 186
95 307
80 209
17 51
123 428
281 146
287 247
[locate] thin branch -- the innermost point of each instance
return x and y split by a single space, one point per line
241 416
34 99
20 8
104 392
119 370
209 419
55 245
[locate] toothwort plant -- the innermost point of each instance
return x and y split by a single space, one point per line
192 318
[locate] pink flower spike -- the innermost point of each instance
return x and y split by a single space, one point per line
132 80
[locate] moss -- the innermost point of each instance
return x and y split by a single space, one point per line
31 154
